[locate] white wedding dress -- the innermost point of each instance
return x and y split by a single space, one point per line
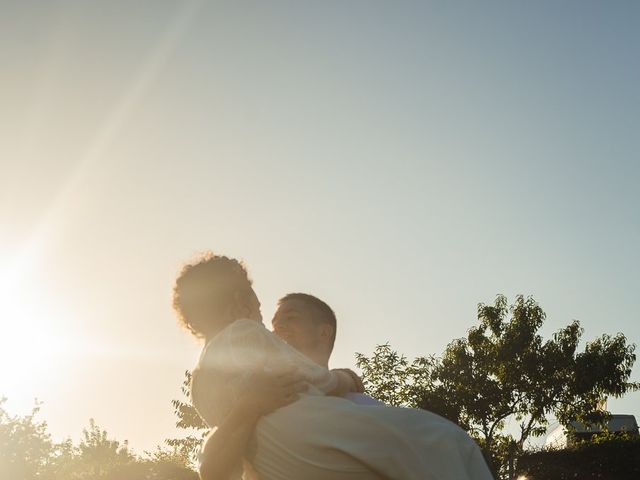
321 437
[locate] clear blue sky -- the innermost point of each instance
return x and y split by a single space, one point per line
402 160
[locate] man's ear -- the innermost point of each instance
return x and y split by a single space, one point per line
327 332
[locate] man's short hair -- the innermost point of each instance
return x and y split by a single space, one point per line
321 312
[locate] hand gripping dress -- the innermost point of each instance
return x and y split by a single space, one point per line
321 437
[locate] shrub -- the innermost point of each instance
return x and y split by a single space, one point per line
603 458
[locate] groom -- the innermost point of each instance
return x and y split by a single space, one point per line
306 323
309 325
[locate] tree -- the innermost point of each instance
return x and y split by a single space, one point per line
25 445
504 370
28 453
99 454
185 449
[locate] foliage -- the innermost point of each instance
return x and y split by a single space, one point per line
188 416
390 378
151 470
504 370
187 448
101 453
28 453
606 457
25 445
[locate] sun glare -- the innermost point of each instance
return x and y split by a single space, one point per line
32 344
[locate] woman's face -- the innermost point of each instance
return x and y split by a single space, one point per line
253 307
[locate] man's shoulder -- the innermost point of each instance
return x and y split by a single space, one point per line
363 399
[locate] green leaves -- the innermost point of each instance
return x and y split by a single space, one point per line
503 370
188 417
185 450
28 453
25 445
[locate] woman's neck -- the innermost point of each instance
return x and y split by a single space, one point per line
218 326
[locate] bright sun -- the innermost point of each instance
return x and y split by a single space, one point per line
31 343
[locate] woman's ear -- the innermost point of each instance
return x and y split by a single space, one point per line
239 307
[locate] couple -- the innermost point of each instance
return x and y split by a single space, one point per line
318 433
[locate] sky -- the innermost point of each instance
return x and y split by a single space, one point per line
404 161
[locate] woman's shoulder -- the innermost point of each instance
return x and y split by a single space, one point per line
241 325
246 324
242 337
237 327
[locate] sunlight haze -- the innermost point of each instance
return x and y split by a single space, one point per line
403 161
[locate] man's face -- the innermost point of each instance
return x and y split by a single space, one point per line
294 323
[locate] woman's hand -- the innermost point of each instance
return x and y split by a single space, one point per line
357 381
263 392
348 382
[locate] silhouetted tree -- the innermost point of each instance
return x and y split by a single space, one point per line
504 370
186 448
99 454
25 446
28 453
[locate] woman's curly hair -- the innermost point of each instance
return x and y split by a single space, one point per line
204 287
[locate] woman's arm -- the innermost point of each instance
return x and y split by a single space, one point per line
261 394
251 344
246 345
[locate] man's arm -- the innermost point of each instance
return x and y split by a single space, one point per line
263 393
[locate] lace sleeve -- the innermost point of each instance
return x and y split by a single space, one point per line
239 350
251 346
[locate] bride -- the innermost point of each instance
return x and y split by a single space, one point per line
321 435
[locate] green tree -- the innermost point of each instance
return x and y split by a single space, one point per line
185 449
99 454
150 470
28 453
504 370
25 446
